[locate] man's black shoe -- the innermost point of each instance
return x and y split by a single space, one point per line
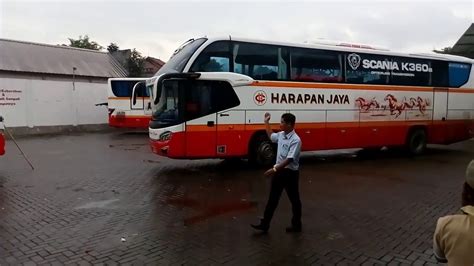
262 227
293 229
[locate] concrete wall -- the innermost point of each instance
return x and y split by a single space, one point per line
37 104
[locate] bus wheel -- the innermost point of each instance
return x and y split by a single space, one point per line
416 141
263 152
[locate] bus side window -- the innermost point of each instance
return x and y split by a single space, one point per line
359 75
260 61
458 74
214 58
439 76
407 75
142 91
316 65
223 96
123 88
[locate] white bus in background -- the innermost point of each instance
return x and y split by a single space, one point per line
343 96
125 112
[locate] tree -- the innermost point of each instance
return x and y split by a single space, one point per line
445 50
135 64
85 43
113 47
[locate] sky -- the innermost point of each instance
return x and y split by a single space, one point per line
157 28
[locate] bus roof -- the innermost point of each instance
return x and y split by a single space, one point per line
345 48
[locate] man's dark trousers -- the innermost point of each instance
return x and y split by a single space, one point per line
284 179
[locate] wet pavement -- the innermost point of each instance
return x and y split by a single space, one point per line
105 198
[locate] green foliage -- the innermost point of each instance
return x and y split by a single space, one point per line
85 43
113 47
135 64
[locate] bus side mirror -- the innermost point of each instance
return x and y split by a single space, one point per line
134 95
1 118
135 91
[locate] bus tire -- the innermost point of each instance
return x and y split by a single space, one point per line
262 151
416 141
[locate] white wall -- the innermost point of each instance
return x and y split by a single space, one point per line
32 103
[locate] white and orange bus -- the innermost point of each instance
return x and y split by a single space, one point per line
208 101
123 111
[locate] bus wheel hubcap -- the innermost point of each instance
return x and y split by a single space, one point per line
265 152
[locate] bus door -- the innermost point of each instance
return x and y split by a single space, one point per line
440 115
200 118
207 103
137 101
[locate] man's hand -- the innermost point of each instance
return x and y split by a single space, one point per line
270 172
267 118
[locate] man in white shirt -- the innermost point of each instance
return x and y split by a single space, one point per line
285 173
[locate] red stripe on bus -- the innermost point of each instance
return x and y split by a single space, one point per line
315 125
129 121
192 143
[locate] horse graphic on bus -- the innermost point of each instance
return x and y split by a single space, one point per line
393 104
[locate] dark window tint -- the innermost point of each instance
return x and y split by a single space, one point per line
207 97
439 76
315 65
123 88
215 58
411 72
367 69
261 61
458 74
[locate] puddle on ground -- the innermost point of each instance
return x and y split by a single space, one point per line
97 204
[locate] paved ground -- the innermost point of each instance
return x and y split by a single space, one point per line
104 198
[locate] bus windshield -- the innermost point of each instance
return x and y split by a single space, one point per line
181 57
167 109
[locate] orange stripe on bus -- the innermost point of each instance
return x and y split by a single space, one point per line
199 128
131 116
230 127
462 90
311 85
